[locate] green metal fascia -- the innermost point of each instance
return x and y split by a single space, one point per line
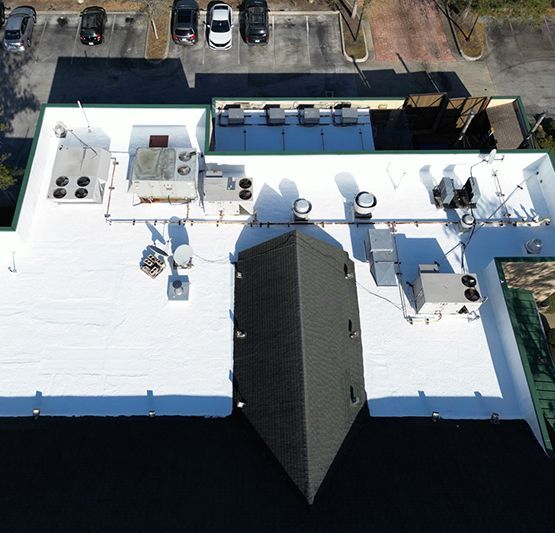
511 296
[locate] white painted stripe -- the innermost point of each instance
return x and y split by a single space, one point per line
308 40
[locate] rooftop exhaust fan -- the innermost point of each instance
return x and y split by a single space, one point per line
301 209
363 204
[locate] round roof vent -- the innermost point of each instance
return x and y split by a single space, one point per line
62 181
365 199
83 181
183 170
245 194
59 193
81 193
185 156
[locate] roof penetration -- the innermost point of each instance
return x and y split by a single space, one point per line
298 371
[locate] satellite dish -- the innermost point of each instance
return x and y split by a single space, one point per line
157 250
183 256
491 156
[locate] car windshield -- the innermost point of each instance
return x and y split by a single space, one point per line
183 33
89 22
220 26
12 34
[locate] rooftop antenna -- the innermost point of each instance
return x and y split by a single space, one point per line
85 115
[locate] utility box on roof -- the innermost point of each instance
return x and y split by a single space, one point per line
235 116
310 116
380 251
275 116
349 116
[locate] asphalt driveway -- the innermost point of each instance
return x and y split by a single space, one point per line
521 61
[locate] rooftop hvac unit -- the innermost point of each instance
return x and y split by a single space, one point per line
232 116
349 116
447 196
165 174
309 116
79 175
446 294
226 189
275 116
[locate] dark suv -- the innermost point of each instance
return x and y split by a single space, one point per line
185 22
256 22
93 21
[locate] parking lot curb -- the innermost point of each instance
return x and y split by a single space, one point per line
78 11
347 56
305 13
458 44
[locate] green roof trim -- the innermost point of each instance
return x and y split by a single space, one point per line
534 350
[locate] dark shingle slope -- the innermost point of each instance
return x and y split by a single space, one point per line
297 355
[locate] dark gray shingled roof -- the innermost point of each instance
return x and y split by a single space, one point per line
297 354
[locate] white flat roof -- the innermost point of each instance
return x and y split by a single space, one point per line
85 331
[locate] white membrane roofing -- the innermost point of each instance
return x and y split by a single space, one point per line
85 331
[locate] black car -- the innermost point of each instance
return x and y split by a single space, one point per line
93 21
185 22
256 22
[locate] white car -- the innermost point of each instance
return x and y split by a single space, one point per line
219 27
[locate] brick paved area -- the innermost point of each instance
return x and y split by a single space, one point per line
411 29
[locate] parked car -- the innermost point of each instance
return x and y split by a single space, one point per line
256 22
220 27
19 29
93 22
185 22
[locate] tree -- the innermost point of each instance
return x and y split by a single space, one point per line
7 174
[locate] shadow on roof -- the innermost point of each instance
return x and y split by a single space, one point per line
195 474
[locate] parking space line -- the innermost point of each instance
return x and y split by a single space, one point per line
238 45
111 35
75 42
273 36
40 41
308 40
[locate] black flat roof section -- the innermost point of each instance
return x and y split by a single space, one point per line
297 355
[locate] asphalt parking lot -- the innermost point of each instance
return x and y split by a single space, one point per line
58 36
521 61
297 43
